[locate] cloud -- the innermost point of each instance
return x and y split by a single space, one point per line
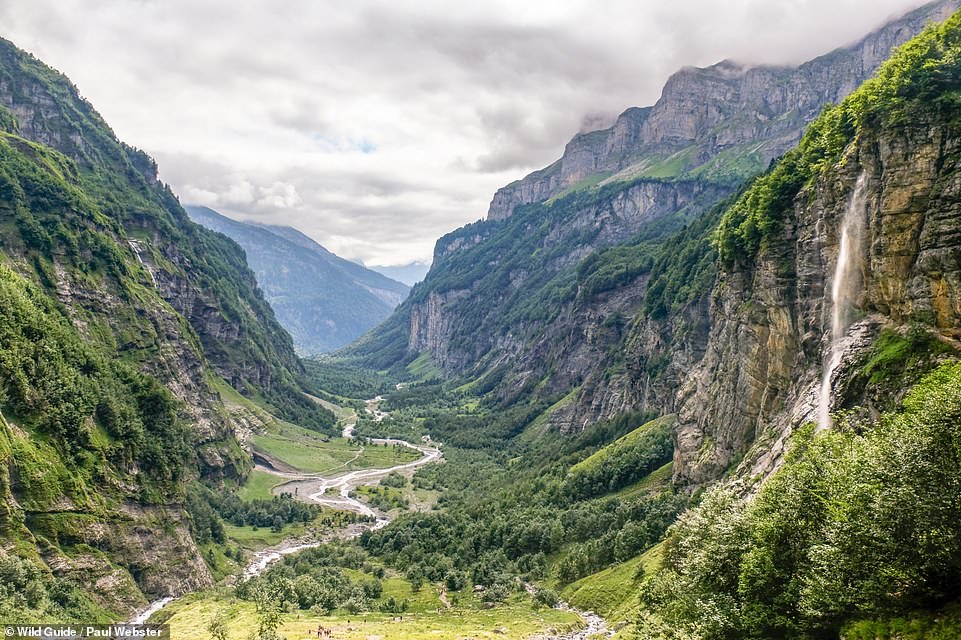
376 126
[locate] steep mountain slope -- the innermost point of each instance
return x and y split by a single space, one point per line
722 123
119 315
855 516
324 301
581 288
202 275
835 283
887 157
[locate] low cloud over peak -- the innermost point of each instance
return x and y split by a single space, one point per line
377 126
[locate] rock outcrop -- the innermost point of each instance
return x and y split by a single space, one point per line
758 380
725 121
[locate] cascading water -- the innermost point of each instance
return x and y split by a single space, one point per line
845 288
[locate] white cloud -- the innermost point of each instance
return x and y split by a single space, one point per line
375 126
280 195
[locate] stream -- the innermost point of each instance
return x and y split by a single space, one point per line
317 486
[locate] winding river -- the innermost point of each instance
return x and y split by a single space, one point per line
334 492
317 486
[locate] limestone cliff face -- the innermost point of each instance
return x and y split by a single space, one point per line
105 244
707 121
742 116
758 380
431 320
143 551
443 318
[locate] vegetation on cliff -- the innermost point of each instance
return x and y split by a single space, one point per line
922 78
861 522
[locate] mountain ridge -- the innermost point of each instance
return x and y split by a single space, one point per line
703 112
121 322
580 290
323 300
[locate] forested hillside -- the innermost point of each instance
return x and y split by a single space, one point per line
119 319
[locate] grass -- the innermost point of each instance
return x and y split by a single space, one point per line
423 368
538 427
312 452
893 353
612 592
656 480
513 620
426 599
734 164
220 565
587 183
343 414
257 538
619 446
945 625
258 486
671 166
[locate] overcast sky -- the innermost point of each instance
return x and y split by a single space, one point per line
377 126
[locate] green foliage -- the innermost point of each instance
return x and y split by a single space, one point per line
922 78
76 207
321 579
757 214
30 595
625 461
93 408
943 624
856 524
893 353
347 380
206 508
684 267
504 516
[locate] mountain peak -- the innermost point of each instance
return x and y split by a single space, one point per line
749 113
323 300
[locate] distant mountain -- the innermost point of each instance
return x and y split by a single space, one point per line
578 279
121 323
409 274
323 300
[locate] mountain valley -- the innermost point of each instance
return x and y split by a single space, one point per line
700 378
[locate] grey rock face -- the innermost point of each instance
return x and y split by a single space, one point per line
704 112
571 339
766 347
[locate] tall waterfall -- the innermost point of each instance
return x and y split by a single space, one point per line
845 288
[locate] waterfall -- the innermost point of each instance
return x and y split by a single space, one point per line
845 289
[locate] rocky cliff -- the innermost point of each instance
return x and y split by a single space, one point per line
723 122
583 275
118 316
507 292
760 377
